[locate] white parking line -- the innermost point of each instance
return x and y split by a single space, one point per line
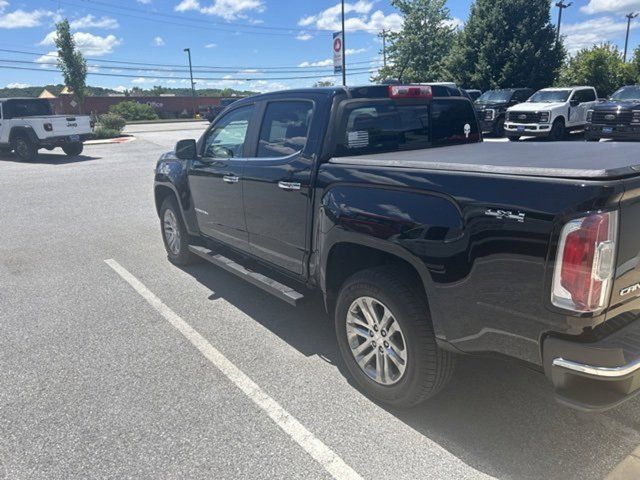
326 457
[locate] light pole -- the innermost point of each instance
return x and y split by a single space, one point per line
344 66
561 6
630 16
384 48
193 88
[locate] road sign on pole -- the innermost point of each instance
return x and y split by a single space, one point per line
338 45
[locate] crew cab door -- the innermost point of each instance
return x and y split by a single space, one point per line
277 183
215 178
580 102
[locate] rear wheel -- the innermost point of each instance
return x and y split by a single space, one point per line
558 130
386 338
174 233
24 148
73 149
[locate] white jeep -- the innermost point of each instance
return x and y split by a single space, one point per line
29 124
550 112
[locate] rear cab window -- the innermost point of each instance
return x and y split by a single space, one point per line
16 108
385 125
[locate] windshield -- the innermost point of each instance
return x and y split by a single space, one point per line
550 96
627 94
495 96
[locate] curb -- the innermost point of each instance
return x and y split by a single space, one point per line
106 141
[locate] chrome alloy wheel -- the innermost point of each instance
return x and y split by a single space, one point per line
171 232
376 341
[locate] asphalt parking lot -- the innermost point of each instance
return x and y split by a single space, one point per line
117 369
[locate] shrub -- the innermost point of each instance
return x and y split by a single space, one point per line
134 111
111 121
102 132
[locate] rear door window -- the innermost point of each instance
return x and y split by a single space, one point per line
27 108
284 128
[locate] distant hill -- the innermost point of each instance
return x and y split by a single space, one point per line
135 91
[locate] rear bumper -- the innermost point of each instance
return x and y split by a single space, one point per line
595 376
63 140
622 132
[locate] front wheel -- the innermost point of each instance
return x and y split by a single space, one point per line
174 233
386 338
558 130
513 138
73 149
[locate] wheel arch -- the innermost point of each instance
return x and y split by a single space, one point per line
163 190
23 131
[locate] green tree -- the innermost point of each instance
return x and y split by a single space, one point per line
600 66
71 62
507 43
418 51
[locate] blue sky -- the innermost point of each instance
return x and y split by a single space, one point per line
248 37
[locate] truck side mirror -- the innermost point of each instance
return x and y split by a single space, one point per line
574 103
186 149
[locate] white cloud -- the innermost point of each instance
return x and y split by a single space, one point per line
143 2
88 43
142 80
210 45
603 6
21 18
120 88
89 21
17 85
304 36
158 41
227 9
594 31
360 19
455 22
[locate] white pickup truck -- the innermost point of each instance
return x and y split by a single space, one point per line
29 124
550 112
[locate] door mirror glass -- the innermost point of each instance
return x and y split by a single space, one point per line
186 149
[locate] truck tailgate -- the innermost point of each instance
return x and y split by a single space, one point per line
626 286
68 125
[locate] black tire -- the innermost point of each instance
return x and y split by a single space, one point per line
591 139
427 369
513 139
73 149
180 255
558 131
24 148
498 129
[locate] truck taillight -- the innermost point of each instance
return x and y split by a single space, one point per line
584 267
410 91
48 127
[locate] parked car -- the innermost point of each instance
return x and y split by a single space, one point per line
473 94
492 107
618 118
29 124
551 112
527 251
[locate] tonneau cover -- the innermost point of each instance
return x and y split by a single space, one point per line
571 159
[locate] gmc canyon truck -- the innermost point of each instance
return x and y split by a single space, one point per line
29 124
423 241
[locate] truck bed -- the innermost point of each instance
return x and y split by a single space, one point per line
579 160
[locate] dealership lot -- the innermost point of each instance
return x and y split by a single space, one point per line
98 381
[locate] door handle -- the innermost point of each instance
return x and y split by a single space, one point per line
230 178
289 186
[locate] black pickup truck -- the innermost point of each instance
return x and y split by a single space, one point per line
492 107
527 251
618 118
